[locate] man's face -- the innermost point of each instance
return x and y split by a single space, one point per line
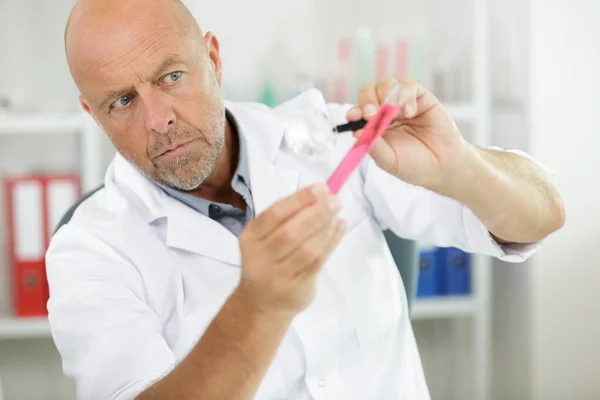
155 90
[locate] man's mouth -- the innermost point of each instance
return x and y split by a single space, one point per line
176 149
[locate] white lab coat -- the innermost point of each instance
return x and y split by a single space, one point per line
136 276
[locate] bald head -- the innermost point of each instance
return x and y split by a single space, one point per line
93 22
152 80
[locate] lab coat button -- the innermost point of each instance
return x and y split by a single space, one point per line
321 382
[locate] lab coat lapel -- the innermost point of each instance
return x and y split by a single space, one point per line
263 131
192 231
180 226
269 183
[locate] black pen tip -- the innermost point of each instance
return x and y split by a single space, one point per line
350 126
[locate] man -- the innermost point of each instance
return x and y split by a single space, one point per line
214 264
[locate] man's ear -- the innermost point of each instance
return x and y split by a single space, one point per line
212 47
85 105
87 109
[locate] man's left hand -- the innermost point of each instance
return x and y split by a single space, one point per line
513 196
423 146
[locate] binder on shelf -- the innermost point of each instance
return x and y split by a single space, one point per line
26 227
62 191
456 266
35 204
429 283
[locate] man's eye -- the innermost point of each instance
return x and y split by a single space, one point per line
122 101
172 77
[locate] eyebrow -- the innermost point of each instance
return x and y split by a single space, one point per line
114 94
167 64
160 70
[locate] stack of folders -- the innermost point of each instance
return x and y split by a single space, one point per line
444 271
34 205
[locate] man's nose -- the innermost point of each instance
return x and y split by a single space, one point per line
159 112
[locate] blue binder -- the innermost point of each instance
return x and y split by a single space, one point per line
456 267
429 273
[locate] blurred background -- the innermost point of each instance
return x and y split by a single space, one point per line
520 74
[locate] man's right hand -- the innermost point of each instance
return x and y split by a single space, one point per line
284 248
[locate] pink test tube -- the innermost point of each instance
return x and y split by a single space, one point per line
371 132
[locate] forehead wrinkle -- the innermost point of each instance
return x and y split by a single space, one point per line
172 12
128 57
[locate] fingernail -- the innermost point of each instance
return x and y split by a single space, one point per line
369 110
333 203
342 224
353 113
320 190
409 112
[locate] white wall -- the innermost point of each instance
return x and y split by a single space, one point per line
33 64
546 323
246 37
564 88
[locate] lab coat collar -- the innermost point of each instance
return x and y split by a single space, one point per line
264 130
186 229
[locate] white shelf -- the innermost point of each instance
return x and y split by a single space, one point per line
38 123
24 328
24 124
443 307
423 308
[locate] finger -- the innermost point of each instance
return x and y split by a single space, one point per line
312 249
285 209
407 95
354 114
384 86
297 230
331 244
368 101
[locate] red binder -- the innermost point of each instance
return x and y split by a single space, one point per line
35 204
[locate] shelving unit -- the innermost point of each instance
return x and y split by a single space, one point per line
482 277
431 308
26 125
16 333
444 307
423 309
24 328
476 307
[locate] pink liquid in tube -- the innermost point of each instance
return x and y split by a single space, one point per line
371 132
